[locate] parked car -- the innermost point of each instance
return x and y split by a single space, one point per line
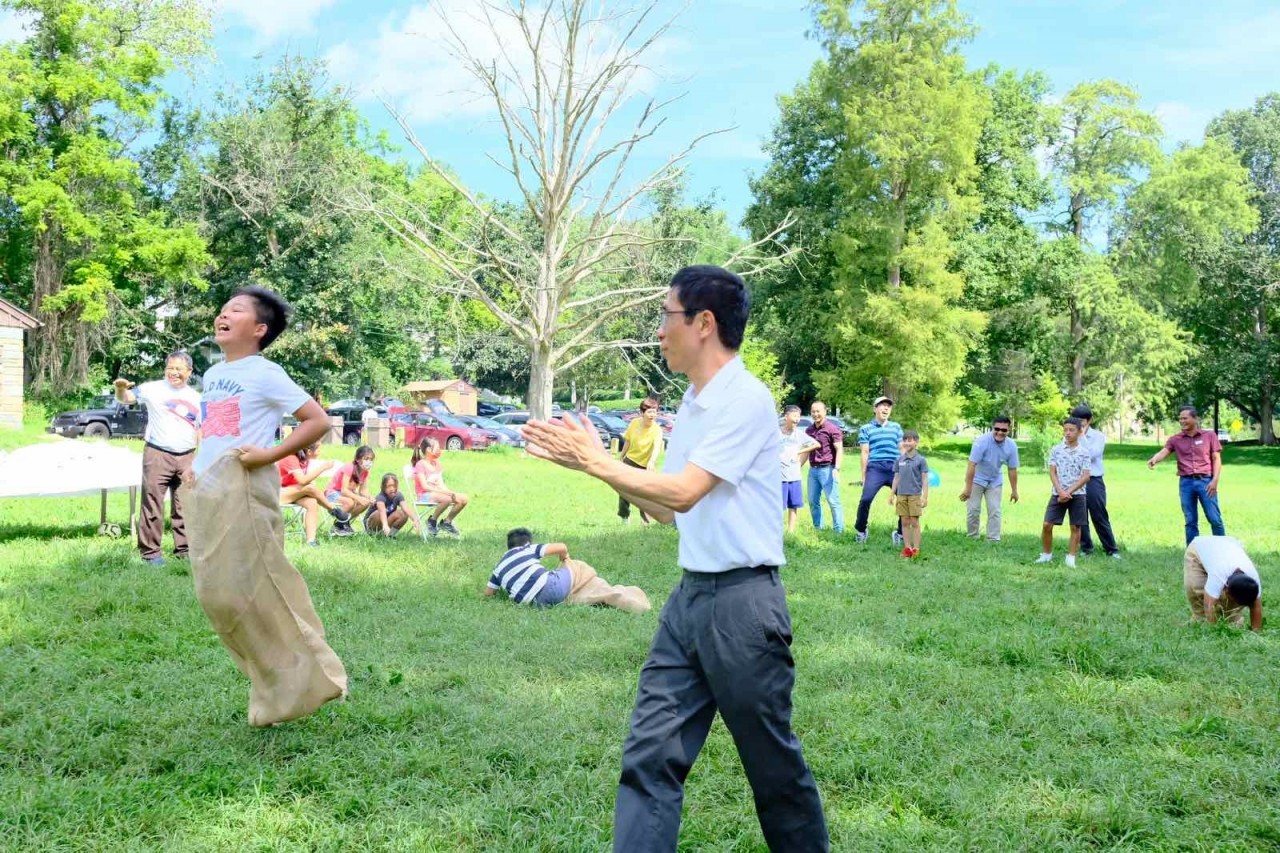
486 409
516 420
104 418
612 424
352 413
452 434
667 422
1224 436
506 435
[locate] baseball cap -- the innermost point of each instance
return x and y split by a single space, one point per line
880 400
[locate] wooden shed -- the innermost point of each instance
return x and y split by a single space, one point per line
459 395
14 322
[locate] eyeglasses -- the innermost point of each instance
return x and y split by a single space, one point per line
664 313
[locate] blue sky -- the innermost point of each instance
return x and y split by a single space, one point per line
1189 61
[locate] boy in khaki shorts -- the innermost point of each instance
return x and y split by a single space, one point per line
910 491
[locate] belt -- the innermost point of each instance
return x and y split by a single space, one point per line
1196 476
731 577
821 464
167 450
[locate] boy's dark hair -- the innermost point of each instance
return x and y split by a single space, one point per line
182 356
519 537
789 408
1195 413
1242 589
1075 422
1082 412
724 294
1002 419
271 309
910 433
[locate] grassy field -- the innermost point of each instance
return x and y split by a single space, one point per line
968 700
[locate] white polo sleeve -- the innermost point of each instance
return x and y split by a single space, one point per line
736 436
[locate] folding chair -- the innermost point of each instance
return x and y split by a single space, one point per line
406 481
294 520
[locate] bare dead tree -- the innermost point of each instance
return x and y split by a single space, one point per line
563 80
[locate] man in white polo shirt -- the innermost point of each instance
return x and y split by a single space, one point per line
724 637
173 418
1220 579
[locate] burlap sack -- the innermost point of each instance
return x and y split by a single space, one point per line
255 598
589 588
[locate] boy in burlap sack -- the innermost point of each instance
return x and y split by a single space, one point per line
253 596
522 576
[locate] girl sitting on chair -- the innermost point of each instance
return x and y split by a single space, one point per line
298 486
428 482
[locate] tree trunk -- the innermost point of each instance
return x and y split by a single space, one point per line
626 392
542 377
1266 413
1077 350
573 393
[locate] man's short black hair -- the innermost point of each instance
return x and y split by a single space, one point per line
271 309
724 294
519 537
1195 413
1082 412
182 356
1002 419
1076 422
1242 589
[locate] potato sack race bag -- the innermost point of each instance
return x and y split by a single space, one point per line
591 589
254 597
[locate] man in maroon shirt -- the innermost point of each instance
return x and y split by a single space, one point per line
824 467
1199 466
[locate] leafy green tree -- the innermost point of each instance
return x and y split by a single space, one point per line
73 94
913 115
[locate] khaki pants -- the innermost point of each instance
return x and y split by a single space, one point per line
1193 579
590 589
162 471
973 508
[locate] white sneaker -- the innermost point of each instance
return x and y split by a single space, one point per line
1045 558
1115 556
897 539
862 537
1070 561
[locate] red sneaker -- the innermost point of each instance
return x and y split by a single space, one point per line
915 552
906 552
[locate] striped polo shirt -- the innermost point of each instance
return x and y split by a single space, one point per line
883 440
520 573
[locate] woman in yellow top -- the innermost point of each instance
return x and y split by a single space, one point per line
640 445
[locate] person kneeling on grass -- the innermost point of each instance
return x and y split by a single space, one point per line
297 486
428 484
390 509
525 580
910 491
1221 580
349 487
1069 471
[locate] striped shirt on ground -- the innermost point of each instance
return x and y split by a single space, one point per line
883 440
520 573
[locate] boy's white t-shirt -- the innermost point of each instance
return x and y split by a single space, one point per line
243 403
173 415
1221 556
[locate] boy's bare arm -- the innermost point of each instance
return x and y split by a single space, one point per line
313 423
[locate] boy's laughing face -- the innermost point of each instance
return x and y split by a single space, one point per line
237 322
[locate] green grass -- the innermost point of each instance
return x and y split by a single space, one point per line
968 700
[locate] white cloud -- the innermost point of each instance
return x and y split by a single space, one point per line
271 19
1233 44
412 62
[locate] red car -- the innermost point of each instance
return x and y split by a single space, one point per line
452 434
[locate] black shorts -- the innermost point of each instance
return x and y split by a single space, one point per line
1077 508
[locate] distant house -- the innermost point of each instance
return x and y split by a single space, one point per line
14 322
459 395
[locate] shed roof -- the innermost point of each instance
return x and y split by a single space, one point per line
11 315
436 385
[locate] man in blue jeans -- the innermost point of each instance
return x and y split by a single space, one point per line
1199 467
879 440
824 467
